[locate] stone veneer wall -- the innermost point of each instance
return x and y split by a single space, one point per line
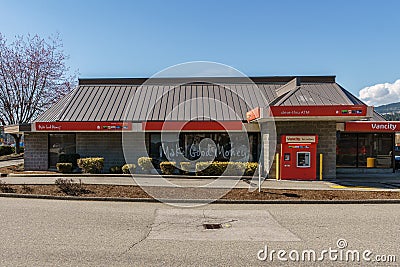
36 155
326 132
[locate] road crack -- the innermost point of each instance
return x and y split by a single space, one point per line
149 227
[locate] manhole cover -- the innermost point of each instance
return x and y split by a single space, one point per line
212 226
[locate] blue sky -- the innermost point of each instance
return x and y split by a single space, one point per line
358 41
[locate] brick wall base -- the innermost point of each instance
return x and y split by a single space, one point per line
36 155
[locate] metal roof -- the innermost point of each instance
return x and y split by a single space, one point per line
181 99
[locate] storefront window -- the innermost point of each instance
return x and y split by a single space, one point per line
60 144
346 150
353 149
208 146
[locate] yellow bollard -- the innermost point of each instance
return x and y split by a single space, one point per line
277 166
320 166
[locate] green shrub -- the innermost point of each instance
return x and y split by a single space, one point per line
91 165
69 158
235 168
167 167
64 167
128 168
251 168
145 163
116 169
6 150
208 168
188 167
217 168
69 187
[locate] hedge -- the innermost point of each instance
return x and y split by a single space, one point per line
167 167
188 167
145 163
91 165
64 167
128 168
217 168
6 150
116 169
251 168
69 158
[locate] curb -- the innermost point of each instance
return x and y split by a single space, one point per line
218 201
77 175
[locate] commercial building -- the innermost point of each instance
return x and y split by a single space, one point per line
174 118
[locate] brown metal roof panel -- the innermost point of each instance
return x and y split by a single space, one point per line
246 96
234 109
335 94
102 102
170 104
181 107
238 103
153 112
256 97
120 95
109 103
73 104
55 111
92 108
192 103
134 103
79 102
122 105
162 103
212 104
138 103
206 103
350 96
220 102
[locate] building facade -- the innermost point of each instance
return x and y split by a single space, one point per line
221 119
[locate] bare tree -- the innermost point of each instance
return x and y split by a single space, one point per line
33 76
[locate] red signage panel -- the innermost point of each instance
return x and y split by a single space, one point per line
83 126
372 126
253 114
192 126
315 111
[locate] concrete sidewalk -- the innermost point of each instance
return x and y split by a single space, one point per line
370 184
11 162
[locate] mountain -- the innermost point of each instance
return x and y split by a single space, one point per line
389 108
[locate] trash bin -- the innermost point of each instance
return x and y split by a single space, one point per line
371 162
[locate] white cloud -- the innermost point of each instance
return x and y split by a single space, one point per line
381 94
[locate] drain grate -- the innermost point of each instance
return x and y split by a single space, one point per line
212 226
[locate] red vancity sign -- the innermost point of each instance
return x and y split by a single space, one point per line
372 126
82 126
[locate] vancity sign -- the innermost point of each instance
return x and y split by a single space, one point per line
372 126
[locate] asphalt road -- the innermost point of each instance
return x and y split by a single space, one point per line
80 233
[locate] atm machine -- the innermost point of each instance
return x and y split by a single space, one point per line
298 157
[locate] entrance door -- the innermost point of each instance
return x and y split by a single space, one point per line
60 144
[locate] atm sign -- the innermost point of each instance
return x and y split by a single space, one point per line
300 139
